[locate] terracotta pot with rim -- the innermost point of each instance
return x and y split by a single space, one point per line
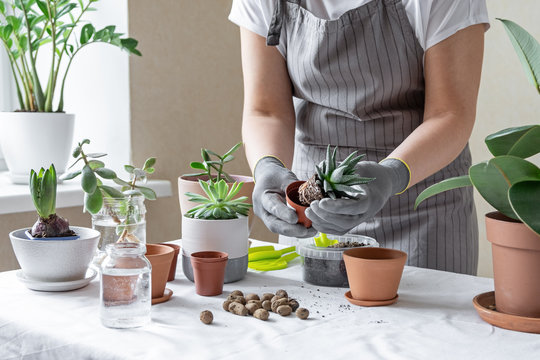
516 265
374 273
209 272
160 256
172 271
294 201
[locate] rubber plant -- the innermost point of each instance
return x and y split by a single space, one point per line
26 26
43 192
507 181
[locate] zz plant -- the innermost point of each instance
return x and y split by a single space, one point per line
508 182
26 26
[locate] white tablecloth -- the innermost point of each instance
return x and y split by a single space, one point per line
433 319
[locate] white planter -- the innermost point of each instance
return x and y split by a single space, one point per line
230 236
32 140
55 260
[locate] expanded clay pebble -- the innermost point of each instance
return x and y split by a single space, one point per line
226 304
267 296
238 299
302 313
255 302
282 293
207 317
278 303
261 314
284 310
238 309
252 297
252 307
267 305
237 293
293 304
276 298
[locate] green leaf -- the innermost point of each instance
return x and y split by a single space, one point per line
86 33
6 31
228 158
445 185
204 155
93 202
85 141
71 175
130 45
197 165
232 150
527 49
105 173
522 141
89 181
43 7
96 155
132 192
129 168
524 197
149 163
147 192
65 10
2 7
150 170
121 182
493 178
96 164
111 192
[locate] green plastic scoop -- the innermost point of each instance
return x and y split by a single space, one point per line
272 264
323 241
269 254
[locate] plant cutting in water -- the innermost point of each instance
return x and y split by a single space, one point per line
332 179
210 165
27 25
219 203
43 192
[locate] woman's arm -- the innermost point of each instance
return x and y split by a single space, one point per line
452 76
269 119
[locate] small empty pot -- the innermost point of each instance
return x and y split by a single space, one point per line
209 271
160 256
176 248
294 201
374 273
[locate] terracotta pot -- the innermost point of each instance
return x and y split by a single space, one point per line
516 265
209 272
191 184
176 249
294 202
160 256
374 273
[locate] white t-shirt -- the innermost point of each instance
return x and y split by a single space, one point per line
432 20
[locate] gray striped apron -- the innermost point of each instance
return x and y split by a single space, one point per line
359 84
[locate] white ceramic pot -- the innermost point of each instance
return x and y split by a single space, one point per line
32 140
55 260
229 236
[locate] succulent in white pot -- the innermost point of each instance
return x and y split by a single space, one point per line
218 223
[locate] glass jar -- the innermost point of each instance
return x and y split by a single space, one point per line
125 288
120 220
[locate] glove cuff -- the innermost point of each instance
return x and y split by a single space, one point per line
267 160
402 174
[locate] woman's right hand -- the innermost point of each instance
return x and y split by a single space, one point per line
271 180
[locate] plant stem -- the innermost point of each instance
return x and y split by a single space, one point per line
12 65
61 102
50 84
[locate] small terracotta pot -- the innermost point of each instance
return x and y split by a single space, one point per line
294 201
209 271
374 273
176 248
516 265
160 256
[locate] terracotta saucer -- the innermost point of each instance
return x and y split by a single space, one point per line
166 296
485 306
353 301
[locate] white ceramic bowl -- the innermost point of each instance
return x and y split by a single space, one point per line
55 260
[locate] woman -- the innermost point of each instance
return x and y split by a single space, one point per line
394 79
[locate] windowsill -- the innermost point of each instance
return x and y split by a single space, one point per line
16 198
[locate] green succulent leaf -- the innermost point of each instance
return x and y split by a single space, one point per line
105 173
149 163
129 168
96 155
131 192
445 185
232 150
147 192
96 164
111 192
197 165
93 201
71 175
88 181
524 197
122 182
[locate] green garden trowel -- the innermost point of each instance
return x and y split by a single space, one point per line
265 258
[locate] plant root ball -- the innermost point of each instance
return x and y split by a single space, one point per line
302 313
252 297
207 317
238 309
252 307
267 305
284 310
261 314
237 293
267 296
282 293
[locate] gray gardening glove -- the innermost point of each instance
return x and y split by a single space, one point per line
339 216
271 180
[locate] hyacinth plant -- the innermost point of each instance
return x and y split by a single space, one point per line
55 29
43 192
219 203
507 181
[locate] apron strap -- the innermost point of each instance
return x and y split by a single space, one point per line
274 30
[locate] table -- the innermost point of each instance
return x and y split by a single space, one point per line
433 319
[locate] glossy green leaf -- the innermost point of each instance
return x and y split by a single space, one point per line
129 168
524 198
112 192
147 192
522 141
149 163
197 165
71 175
445 185
93 202
86 33
2 7
96 164
88 181
527 49
105 173
232 150
121 182
493 178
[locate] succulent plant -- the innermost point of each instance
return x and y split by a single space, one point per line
208 165
332 179
220 203
43 191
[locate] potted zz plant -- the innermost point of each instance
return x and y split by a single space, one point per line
56 30
511 185
53 256
218 222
